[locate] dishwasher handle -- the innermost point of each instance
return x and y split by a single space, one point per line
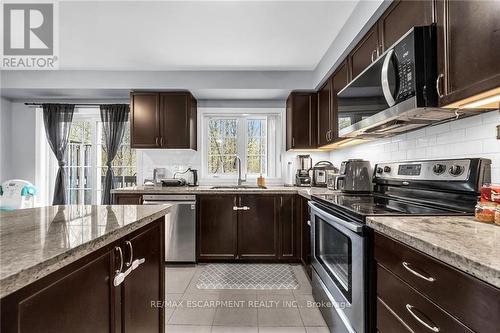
148 202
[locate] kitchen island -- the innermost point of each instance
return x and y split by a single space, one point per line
59 268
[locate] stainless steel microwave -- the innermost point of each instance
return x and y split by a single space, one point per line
397 92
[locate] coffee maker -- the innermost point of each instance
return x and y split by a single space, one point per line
302 176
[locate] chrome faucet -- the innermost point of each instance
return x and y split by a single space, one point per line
237 159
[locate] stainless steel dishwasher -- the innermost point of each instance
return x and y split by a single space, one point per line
180 226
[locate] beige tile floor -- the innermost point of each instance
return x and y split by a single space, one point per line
191 310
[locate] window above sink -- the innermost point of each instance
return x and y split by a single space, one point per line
253 136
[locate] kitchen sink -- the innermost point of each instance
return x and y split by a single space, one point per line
236 187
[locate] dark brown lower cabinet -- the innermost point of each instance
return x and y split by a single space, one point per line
302 211
258 227
127 199
417 291
81 297
247 227
216 236
146 283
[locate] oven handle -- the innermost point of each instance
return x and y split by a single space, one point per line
349 225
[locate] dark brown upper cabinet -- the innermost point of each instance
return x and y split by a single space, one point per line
325 130
340 79
366 52
400 17
163 120
468 48
145 120
327 104
397 20
301 113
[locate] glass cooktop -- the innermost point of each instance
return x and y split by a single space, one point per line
365 205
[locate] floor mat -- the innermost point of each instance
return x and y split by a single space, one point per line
247 276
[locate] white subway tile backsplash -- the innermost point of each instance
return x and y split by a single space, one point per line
466 122
452 136
437 129
398 155
469 137
491 146
426 141
405 145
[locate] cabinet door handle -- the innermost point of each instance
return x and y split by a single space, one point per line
119 250
374 52
161 141
129 262
438 85
431 326
156 141
241 208
414 272
293 142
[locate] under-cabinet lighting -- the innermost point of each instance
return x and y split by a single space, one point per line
485 100
343 143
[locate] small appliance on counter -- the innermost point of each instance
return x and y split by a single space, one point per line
302 176
355 176
191 178
17 194
172 182
320 171
158 175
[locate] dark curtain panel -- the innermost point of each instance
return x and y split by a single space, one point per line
113 117
57 120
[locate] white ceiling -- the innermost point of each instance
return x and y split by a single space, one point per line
219 50
198 35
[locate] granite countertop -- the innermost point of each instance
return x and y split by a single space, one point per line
304 191
459 241
38 241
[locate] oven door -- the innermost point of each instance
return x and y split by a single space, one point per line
338 258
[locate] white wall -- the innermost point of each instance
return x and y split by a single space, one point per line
5 139
469 137
18 141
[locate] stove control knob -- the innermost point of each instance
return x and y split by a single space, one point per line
380 170
439 168
456 170
387 169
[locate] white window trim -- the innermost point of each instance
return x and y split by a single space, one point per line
277 149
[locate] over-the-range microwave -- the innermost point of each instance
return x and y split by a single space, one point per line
397 92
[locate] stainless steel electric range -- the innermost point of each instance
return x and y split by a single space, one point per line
340 240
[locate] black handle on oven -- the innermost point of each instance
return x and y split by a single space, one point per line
347 224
